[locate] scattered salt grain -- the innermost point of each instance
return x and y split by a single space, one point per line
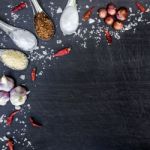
2 118
14 16
91 21
59 10
17 107
59 41
22 77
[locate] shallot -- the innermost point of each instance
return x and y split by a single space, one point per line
111 9
118 25
18 96
109 20
122 14
102 12
6 83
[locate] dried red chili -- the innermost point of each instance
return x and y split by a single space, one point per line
10 118
34 123
20 6
33 74
108 37
88 14
62 52
10 144
140 7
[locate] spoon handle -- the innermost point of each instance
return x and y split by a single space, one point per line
71 3
36 6
6 27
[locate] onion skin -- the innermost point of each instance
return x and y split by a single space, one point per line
109 20
122 14
4 98
111 9
118 25
102 12
18 96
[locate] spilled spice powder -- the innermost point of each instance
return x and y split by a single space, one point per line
44 26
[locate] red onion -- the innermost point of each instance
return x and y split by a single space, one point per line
102 13
111 9
118 25
109 20
122 14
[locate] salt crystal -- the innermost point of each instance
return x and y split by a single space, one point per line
22 77
59 10
91 21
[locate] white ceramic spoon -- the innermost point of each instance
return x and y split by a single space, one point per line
38 10
13 59
69 20
22 38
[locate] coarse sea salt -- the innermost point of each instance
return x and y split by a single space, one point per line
42 55
59 10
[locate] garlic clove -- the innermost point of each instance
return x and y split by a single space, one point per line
4 98
18 96
6 84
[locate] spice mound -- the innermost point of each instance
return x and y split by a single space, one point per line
15 60
44 26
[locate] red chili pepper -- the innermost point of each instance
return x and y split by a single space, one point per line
10 118
88 14
33 74
10 144
108 37
62 52
19 7
140 7
34 122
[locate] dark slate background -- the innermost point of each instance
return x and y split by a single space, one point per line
93 99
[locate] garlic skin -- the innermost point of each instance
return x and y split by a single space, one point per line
4 98
6 84
18 96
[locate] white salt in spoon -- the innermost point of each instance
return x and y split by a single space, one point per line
69 20
22 38
13 59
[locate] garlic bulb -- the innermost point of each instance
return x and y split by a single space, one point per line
18 96
6 84
4 98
